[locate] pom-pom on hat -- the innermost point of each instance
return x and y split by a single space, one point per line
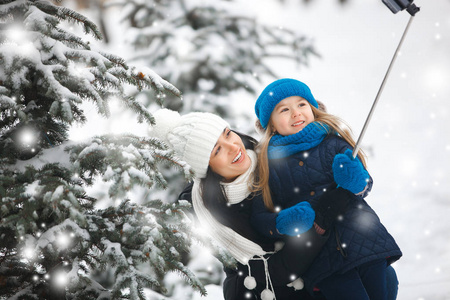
192 136
275 92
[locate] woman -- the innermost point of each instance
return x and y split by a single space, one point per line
224 163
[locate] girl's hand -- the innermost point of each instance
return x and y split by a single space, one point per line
296 219
349 173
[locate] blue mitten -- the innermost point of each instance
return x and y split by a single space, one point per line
349 173
296 219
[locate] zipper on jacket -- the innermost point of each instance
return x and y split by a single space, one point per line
340 248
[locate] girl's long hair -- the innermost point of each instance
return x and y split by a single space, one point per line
212 192
336 126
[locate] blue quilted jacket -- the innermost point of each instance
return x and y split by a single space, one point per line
358 238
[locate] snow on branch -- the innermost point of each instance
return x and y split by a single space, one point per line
42 63
62 247
64 13
124 160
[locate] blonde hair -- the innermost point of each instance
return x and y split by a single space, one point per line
336 126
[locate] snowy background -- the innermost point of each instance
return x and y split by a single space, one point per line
408 141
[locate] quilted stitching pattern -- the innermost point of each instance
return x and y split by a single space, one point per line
364 236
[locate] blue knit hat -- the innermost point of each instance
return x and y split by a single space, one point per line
275 92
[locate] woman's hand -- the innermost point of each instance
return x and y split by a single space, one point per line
296 219
349 173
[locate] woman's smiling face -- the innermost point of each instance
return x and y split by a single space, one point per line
229 157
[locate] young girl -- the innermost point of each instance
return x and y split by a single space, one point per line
304 153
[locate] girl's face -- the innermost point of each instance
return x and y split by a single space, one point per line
291 115
229 157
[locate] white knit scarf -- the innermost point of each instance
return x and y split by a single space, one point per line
240 248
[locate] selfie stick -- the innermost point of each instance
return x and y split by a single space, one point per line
395 6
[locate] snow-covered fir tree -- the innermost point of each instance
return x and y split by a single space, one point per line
48 72
54 240
208 49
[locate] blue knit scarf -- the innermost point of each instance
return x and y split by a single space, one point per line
283 146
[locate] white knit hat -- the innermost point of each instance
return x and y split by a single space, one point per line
192 135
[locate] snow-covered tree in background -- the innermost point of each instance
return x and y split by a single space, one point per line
46 73
53 237
208 49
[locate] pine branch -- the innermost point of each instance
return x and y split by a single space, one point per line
188 276
57 75
64 13
114 157
153 233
